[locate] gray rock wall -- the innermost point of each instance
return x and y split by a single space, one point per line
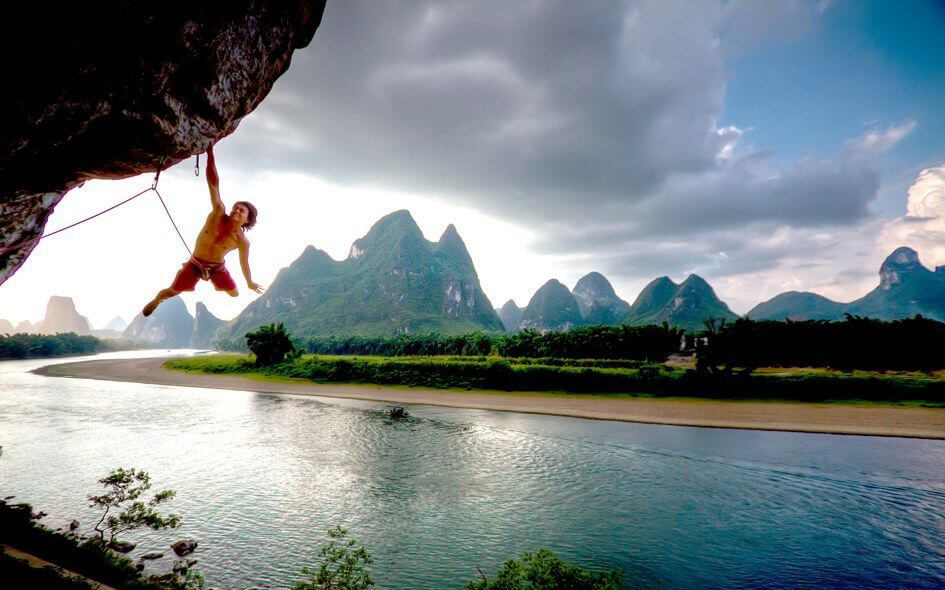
113 88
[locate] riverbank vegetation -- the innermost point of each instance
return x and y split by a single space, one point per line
814 384
910 344
653 343
23 346
88 557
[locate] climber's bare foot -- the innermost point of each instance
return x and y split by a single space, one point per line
150 307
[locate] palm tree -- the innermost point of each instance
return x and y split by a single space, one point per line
270 344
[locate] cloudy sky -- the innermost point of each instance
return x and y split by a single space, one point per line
767 146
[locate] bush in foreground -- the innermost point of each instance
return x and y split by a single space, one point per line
543 570
344 566
124 486
88 558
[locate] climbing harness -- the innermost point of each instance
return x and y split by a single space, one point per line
153 187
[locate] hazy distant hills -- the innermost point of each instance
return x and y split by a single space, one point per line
511 315
906 288
117 323
594 302
172 326
61 317
797 305
169 326
394 281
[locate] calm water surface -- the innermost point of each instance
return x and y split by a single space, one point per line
261 477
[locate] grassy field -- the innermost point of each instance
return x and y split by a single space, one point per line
576 376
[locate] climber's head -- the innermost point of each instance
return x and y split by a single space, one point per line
243 214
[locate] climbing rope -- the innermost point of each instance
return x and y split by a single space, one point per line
81 221
153 187
182 240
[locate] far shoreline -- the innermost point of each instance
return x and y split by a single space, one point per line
821 418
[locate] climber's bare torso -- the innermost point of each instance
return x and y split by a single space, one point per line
220 235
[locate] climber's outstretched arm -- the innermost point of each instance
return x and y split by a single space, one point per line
244 264
213 182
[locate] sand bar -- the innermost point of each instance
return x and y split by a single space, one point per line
798 417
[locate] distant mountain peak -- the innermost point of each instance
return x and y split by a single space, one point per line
906 288
797 305
61 316
597 299
510 314
117 323
205 327
386 233
594 281
397 220
552 307
902 260
394 281
449 232
452 245
903 255
694 280
170 325
686 304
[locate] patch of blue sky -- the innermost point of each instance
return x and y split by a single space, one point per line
866 65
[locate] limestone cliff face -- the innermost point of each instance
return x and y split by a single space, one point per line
61 317
205 327
394 281
115 90
170 326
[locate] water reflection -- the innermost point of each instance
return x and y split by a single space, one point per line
260 478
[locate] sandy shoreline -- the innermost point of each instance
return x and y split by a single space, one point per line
798 417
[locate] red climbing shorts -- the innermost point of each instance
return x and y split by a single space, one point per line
193 270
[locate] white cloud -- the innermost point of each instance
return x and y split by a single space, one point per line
876 141
923 226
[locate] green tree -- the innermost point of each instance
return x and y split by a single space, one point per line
124 487
271 344
543 570
185 577
343 566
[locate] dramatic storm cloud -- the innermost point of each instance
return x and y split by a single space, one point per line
765 145
598 128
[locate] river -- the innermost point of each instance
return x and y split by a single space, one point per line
261 477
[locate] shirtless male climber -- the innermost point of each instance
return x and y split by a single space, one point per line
221 234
